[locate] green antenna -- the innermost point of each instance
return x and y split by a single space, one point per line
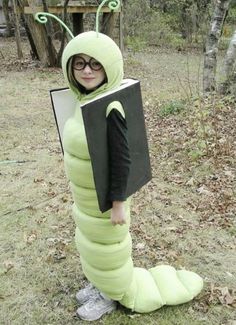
41 17
113 5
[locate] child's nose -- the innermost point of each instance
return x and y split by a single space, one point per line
87 69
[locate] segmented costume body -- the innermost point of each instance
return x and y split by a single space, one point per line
105 250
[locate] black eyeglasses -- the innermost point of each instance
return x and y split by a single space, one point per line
79 63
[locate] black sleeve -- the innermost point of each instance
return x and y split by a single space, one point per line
119 157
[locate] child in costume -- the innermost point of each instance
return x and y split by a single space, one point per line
88 78
92 64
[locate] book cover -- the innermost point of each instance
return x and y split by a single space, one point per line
94 116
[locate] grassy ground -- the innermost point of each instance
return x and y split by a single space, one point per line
185 216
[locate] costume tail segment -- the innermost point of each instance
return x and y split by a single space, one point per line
108 265
159 286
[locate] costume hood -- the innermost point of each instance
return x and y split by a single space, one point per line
103 49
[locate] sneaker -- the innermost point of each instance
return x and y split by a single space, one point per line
84 295
96 308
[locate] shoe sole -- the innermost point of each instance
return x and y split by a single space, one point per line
109 311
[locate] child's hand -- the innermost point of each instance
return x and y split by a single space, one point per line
118 213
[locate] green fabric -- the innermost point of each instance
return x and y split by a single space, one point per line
105 250
104 50
115 105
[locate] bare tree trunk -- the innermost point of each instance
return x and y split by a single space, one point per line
48 27
108 22
17 31
77 20
212 43
186 26
229 68
7 17
33 52
47 55
59 55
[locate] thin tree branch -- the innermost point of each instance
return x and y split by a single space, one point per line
63 33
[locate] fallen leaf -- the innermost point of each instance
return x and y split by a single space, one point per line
229 274
226 298
204 191
8 265
140 246
29 239
191 182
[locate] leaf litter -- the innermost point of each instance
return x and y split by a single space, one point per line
191 195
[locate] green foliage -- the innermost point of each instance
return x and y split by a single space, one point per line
171 108
198 151
166 23
177 42
53 2
224 43
207 122
172 23
231 17
135 43
145 26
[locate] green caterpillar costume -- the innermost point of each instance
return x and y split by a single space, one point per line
105 250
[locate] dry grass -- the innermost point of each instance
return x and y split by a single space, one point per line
185 216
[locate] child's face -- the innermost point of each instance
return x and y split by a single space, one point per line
87 71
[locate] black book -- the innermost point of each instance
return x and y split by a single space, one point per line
94 116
